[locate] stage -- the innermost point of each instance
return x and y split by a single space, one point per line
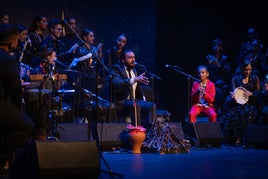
223 162
208 157
73 156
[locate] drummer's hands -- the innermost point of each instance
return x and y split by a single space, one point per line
232 94
248 93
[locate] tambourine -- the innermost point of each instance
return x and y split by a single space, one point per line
240 96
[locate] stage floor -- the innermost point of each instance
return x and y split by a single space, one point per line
202 163
222 162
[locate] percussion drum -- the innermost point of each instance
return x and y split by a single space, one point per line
240 96
36 106
61 80
47 83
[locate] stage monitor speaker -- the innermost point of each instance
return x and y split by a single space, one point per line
112 135
67 160
257 136
208 134
73 132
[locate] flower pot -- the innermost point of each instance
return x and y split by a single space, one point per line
135 140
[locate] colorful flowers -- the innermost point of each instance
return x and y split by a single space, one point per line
132 128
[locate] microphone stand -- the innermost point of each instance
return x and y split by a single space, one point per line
153 76
96 102
23 49
189 79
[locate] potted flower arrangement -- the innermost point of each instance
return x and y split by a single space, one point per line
132 128
136 136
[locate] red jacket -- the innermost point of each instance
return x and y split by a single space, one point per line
210 93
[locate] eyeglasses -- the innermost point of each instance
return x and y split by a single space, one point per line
59 29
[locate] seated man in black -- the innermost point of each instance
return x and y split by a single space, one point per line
127 92
15 125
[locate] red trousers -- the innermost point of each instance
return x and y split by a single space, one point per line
197 109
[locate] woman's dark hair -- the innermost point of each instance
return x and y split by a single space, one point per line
53 22
21 27
33 25
246 62
46 52
122 34
68 18
85 32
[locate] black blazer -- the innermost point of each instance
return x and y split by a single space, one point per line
121 84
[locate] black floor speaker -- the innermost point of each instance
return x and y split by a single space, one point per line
206 134
74 132
67 160
257 136
112 135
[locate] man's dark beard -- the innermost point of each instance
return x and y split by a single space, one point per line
131 66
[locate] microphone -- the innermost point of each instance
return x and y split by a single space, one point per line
171 66
26 66
89 93
57 61
139 65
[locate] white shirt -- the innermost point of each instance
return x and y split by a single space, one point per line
133 84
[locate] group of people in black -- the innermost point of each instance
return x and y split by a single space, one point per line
239 92
52 48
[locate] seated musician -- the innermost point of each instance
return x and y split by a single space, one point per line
237 115
128 94
42 99
15 125
203 95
